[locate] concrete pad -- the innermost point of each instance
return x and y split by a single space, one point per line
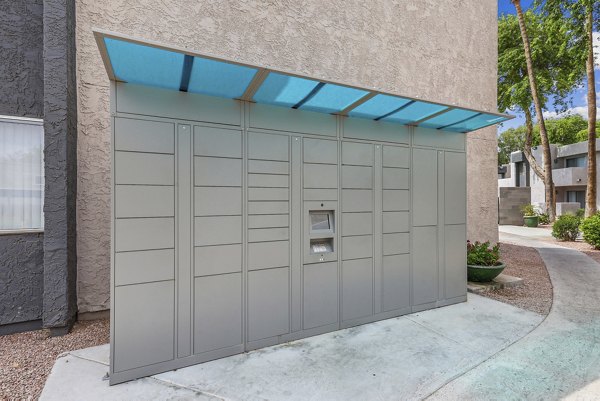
100 354
527 232
499 325
74 378
402 358
561 357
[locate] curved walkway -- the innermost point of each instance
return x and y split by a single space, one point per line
560 359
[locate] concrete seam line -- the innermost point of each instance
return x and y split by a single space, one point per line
171 384
487 359
503 349
87 359
441 334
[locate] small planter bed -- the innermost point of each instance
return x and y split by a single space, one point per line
484 274
483 262
535 294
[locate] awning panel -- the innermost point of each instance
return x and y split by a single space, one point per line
414 112
284 90
214 78
145 65
448 118
151 64
330 98
480 120
378 106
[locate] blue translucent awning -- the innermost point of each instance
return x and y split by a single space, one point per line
134 61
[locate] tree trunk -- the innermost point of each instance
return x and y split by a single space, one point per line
535 166
590 197
547 162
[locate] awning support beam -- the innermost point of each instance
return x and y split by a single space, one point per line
186 73
360 101
256 82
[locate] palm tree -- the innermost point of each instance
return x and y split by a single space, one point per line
590 197
547 162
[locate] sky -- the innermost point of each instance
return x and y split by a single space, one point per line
579 95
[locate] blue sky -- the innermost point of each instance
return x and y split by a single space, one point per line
579 95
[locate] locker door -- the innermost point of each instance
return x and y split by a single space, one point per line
320 278
455 229
395 228
425 230
144 244
357 230
268 236
217 230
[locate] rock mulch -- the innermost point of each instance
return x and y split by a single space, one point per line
536 292
27 358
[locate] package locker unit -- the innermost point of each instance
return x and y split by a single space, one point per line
239 225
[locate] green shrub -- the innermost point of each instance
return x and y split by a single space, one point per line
566 227
544 218
591 230
528 210
481 254
580 213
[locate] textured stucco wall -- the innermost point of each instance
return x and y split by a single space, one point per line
21 94
60 165
439 50
21 277
21 65
510 202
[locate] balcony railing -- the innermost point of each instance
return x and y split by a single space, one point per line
570 176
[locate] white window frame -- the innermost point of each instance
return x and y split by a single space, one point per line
30 121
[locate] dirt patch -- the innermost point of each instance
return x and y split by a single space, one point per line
536 292
27 358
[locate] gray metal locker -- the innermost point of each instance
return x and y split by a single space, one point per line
237 226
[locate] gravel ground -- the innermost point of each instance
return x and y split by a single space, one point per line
536 292
27 358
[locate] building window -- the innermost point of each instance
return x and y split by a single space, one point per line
21 174
577 161
522 178
576 196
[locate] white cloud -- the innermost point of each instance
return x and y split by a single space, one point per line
581 110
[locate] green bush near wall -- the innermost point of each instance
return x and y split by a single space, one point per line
591 230
566 227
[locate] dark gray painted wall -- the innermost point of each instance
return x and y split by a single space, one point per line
21 64
21 94
21 277
60 141
37 72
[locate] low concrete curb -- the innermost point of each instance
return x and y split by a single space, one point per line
502 281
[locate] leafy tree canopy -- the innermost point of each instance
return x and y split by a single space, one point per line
558 61
571 13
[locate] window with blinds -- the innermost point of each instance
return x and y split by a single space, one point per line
21 174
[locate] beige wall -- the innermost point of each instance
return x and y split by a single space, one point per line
443 51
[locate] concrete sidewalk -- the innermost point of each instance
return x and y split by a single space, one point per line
403 358
560 359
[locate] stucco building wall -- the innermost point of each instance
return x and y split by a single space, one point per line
439 51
